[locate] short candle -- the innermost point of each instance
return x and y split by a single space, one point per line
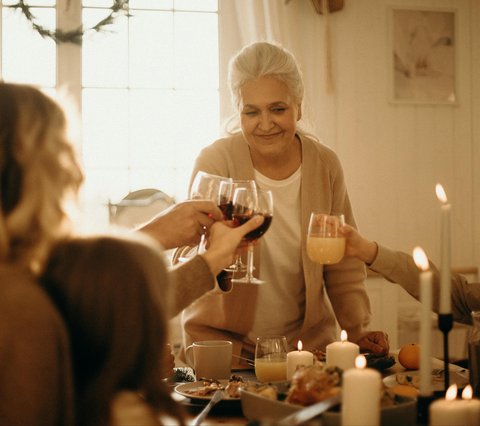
449 411
342 354
297 359
361 395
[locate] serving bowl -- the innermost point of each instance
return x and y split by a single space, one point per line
260 408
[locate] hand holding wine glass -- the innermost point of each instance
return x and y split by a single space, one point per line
246 204
325 242
206 186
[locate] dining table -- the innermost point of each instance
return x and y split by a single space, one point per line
231 413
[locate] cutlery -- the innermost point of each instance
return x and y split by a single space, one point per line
310 412
249 361
217 396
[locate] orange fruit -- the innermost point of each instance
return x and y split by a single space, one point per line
409 356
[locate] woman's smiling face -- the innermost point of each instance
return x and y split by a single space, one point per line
269 116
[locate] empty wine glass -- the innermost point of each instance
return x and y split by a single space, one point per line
246 204
205 186
225 203
325 244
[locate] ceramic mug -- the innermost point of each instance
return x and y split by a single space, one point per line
211 359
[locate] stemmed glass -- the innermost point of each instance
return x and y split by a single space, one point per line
205 186
325 244
246 204
225 203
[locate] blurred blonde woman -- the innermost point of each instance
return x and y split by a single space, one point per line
38 173
38 170
114 295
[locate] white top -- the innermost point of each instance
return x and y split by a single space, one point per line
281 300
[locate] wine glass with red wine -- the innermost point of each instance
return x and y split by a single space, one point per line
225 203
246 204
205 186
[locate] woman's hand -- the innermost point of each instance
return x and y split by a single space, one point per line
223 242
375 342
358 246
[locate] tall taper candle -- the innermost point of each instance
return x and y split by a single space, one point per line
425 278
445 279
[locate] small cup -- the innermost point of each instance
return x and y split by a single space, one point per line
325 244
211 359
271 358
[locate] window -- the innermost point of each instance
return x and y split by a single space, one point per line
147 86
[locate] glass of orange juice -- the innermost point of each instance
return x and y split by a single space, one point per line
325 244
271 358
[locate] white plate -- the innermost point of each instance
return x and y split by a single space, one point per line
185 387
458 376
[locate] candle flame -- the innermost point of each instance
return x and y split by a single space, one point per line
451 392
441 195
299 345
420 258
360 361
343 336
467 392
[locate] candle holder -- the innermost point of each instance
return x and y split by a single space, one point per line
423 406
445 323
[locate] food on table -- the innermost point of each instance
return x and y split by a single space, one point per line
409 356
232 388
209 387
405 391
314 384
408 379
379 362
413 379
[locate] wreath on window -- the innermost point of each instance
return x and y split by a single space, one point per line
119 7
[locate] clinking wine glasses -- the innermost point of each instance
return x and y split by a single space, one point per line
205 186
225 203
247 203
325 244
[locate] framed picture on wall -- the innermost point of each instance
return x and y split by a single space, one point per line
422 52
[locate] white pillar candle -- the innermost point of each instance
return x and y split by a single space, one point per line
445 278
343 353
421 261
473 407
361 393
297 359
449 411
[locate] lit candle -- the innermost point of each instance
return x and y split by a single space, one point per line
449 411
473 406
445 280
425 322
361 395
343 353
297 359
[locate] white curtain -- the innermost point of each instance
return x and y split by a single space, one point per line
298 28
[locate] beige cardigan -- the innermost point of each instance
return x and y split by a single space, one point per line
399 267
334 292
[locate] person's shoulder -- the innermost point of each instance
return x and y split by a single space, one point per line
23 299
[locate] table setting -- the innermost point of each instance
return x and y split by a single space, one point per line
341 386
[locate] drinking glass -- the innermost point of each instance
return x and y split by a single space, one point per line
225 203
247 203
325 244
271 358
205 186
